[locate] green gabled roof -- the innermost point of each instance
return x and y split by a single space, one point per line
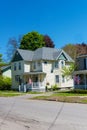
5 68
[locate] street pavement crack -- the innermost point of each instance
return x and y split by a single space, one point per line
57 116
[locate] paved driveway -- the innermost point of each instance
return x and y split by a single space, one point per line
19 113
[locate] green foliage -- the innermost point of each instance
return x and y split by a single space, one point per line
32 41
7 93
68 71
79 91
0 57
70 49
5 83
54 87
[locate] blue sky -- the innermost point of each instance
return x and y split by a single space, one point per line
65 21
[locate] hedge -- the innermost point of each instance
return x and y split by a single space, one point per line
5 83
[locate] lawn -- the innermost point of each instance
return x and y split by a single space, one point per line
72 96
10 93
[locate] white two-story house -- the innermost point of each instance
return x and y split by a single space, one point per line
39 68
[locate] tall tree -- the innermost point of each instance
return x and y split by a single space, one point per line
48 41
81 48
32 41
12 45
71 50
75 50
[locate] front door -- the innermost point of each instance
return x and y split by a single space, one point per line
35 78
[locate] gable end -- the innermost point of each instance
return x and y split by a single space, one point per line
62 57
17 57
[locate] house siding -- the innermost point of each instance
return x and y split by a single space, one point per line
17 72
7 73
27 66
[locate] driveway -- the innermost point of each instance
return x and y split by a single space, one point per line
20 113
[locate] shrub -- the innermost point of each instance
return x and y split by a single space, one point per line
5 83
54 87
80 91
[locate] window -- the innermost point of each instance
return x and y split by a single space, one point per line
63 79
15 67
34 65
62 64
56 64
19 65
85 63
45 62
39 63
57 78
17 78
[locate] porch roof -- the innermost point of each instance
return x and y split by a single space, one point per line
80 72
33 73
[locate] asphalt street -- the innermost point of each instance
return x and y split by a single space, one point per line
21 113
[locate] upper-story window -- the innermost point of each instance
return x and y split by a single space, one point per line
56 64
62 64
45 62
85 63
19 65
34 65
15 66
39 63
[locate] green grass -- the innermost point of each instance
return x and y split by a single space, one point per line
10 93
30 92
73 96
71 93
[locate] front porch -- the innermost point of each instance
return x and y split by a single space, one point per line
34 81
35 86
80 79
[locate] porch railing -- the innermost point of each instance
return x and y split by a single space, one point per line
80 86
35 85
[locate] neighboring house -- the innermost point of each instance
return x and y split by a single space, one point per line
80 75
6 71
39 68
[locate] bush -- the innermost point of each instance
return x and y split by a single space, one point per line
54 87
77 91
80 91
5 83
